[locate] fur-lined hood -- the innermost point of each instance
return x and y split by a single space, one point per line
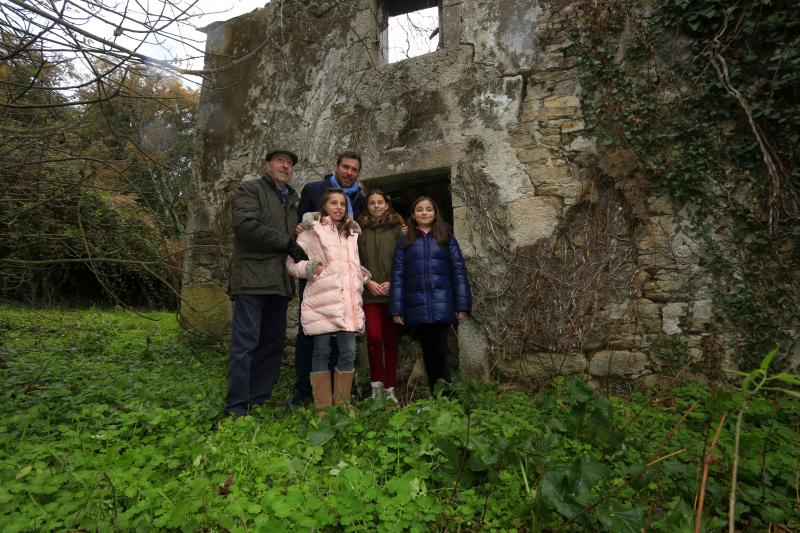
388 219
310 218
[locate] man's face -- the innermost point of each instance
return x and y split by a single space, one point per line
347 172
281 168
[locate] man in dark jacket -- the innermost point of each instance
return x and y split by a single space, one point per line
348 168
264 219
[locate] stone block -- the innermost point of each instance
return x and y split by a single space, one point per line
571 126
542 367
562 101
533 219
473 348
702 314
206 310
558 181
671 315
617 363
582 145
540 156
550 113
543 174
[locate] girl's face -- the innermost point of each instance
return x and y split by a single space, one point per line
376 205
424 214
336 207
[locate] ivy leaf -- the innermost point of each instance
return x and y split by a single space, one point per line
613 515
587 473
555 490
321 437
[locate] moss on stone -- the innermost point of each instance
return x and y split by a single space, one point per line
206 310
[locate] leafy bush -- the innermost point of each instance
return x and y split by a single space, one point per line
109 422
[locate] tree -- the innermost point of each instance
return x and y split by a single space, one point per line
95 148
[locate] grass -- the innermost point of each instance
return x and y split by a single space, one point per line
109 422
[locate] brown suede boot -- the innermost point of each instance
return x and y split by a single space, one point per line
321 388
342 383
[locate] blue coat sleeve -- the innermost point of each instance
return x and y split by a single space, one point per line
458 274
306 204
397 290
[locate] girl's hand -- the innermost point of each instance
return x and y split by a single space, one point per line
404 229
298 229
461 315
318 270
399 320
374 288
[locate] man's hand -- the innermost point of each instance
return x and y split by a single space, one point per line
385 288
461 315
318 270
399 320
404 229
298 229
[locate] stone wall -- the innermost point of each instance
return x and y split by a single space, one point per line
498 109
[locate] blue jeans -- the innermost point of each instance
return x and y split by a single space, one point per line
304 351
346 341
257 339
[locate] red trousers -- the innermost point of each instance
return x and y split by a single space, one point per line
381 344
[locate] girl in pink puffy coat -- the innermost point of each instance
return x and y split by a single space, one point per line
332 299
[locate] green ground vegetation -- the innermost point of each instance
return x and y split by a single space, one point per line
109 421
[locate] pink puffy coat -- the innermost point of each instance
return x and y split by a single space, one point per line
331 301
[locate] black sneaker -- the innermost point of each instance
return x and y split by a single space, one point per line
299 399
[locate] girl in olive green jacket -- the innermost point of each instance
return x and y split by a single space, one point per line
381 227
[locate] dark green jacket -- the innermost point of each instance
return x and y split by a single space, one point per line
263 222
376 246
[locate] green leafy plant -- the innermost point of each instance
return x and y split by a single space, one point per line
109 421
752 384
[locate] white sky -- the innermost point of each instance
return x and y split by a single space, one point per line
409 35
188 45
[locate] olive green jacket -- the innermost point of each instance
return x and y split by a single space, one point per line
376 246
263 222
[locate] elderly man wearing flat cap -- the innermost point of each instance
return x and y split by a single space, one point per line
264 220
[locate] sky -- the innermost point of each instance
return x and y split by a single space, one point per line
409 35
186 37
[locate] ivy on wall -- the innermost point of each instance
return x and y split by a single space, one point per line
706 95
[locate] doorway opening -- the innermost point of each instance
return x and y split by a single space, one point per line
403 189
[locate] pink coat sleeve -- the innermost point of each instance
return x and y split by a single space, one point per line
308 242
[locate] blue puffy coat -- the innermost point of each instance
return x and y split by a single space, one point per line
429 282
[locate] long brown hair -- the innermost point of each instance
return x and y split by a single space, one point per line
389 218
439 229
344 225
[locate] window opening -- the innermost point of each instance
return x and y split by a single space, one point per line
413 29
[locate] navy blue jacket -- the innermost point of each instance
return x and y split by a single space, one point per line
312 194
429 282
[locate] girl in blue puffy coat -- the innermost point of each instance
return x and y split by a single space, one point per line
429 290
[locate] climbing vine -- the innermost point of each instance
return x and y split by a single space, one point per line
705 94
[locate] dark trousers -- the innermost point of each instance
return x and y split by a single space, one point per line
257 339
304 351
433 339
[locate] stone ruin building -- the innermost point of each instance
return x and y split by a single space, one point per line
573 270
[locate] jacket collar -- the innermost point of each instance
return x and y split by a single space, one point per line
271 182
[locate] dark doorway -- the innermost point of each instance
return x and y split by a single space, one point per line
403 189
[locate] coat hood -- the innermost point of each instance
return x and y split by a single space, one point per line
310 218
388 219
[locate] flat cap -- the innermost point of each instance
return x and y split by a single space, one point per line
273 153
